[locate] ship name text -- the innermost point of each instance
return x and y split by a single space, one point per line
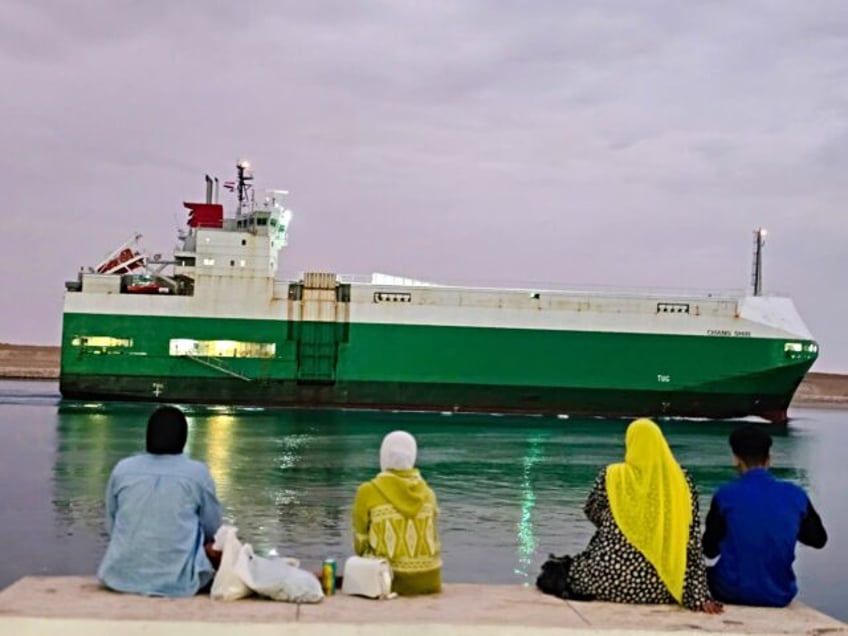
727 332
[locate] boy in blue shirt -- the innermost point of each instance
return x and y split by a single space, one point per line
161 515
752 527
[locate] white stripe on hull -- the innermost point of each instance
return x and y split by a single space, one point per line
761 317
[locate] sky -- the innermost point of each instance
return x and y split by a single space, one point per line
606 144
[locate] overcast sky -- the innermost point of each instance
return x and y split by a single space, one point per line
624 143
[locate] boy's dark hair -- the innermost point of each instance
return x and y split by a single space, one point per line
751 444
167 431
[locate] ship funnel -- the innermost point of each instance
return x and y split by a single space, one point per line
208 189
757 267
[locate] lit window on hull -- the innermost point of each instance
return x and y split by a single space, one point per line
221 348
795 350
101 342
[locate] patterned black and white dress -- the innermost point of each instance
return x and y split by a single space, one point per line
611 569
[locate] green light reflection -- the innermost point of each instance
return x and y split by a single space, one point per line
526 537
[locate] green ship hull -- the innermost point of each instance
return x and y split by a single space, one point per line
441 368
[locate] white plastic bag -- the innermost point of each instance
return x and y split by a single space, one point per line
227 586
369 577
276 578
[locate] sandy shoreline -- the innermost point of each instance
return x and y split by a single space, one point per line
29 362
35 362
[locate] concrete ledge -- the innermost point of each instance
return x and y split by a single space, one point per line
74 605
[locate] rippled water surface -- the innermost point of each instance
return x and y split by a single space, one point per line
510 489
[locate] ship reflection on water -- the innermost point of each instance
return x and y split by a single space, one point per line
511 490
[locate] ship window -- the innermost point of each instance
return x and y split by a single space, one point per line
793 347
242 263
392 297
101 342
672 308
209 261
261 221
244 241
232 263
221 348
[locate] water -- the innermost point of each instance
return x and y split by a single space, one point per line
511 490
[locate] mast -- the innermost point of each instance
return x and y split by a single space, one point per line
757 269
244 175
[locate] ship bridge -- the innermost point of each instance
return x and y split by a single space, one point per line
238 253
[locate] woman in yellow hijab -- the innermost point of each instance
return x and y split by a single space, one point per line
647 546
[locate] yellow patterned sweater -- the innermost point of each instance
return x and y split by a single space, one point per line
394 517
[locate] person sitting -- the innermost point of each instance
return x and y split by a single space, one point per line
752 526
161 515
646 547
394 517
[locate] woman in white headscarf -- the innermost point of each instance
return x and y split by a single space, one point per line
394 517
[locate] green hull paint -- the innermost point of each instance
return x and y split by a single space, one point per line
444 368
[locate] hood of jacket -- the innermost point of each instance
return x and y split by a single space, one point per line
404 489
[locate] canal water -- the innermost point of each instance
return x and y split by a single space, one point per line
510 489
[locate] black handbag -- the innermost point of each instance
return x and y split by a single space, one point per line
553 579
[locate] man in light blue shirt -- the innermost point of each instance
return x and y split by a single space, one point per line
161 514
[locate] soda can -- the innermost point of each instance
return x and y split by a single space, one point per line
328 577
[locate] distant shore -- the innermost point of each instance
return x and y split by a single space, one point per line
34 362
29 362
829 390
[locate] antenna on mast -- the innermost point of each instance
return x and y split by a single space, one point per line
757 269
244 175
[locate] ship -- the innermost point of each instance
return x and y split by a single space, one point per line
212 324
